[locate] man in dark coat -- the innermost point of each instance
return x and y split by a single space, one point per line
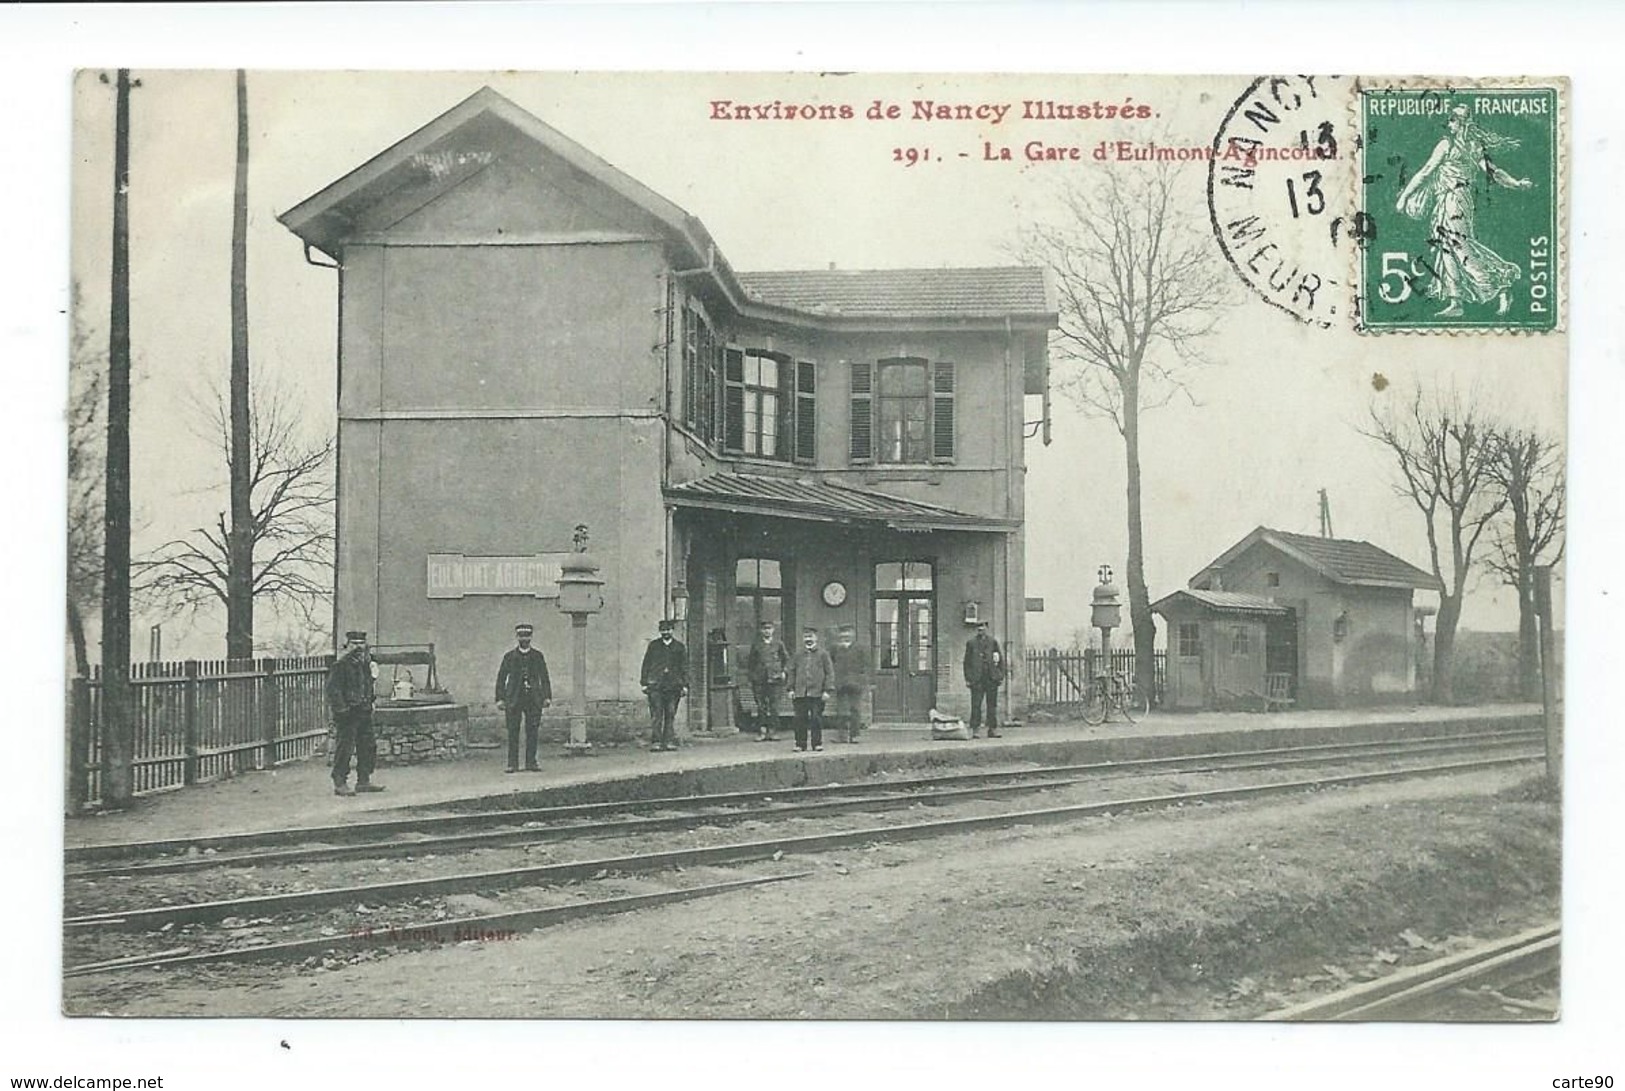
349 698
851 679
984 671
665 680
523 690
812 682
767 664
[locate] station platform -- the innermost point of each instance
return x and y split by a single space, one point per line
301 794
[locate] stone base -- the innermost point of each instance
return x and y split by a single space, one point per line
409 734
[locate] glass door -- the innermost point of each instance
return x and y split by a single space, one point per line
905 640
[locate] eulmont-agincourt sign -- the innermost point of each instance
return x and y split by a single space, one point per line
452 575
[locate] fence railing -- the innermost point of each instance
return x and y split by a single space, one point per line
1061 677
200 720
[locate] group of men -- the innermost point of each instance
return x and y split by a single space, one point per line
811 677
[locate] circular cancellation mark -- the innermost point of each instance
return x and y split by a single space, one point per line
1279 193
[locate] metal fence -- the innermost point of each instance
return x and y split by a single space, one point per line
1057 677
200 720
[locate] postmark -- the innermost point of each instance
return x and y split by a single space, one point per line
1461 186
1278 194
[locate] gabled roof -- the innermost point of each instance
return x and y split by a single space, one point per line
462 141
1224 602
1340 560
323 218
823 501
904 293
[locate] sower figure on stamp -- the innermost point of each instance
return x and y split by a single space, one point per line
523 690
1443 191
851 680
812 682
349 697
665 680
766 665
984 671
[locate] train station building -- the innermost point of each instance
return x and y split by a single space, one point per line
531 340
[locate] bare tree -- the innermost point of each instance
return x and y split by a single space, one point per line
289 526
1528 470
87 394
1445 452
1139 287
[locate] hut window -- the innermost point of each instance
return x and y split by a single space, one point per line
1272 579
1240 641
1190 641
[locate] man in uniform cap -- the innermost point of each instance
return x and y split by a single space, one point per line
984 670
349 696
665 680
523 690
766 665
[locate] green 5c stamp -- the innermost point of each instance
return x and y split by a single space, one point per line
1460 203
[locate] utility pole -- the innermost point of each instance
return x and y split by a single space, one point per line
117 711
1549 679
1325 515
240 545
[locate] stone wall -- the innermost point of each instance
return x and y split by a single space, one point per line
411 734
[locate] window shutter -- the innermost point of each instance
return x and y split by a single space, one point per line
942 412
863 411
733 412
806 411
787 409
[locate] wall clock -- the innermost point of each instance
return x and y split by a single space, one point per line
834 593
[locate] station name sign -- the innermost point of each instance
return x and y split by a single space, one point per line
454 576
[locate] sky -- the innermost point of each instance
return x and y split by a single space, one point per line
1258 467
1268 423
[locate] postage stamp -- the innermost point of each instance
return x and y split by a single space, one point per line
1461 190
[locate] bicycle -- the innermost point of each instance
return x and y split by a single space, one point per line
1116 690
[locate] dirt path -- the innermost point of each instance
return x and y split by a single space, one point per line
1209 912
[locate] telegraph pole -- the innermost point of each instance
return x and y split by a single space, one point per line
1549 679
117 713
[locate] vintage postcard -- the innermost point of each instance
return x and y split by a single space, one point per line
793 546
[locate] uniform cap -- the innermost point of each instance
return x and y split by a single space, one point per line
667 626
356 634
524 629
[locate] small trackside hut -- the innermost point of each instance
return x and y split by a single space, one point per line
1282 618
530 339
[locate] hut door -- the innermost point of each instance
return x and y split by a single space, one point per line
1187 686
905 641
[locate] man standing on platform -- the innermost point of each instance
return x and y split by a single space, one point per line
812 682
523 690
349 697
766 665
851 679
665 680
984 670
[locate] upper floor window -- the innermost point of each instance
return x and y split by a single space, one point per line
902 411
769 405
702 403
1272 579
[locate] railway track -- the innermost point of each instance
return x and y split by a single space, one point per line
419 835
1428 990
680 874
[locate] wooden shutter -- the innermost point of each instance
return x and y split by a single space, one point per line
863 411
733 407
786 441
806 411
942 412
